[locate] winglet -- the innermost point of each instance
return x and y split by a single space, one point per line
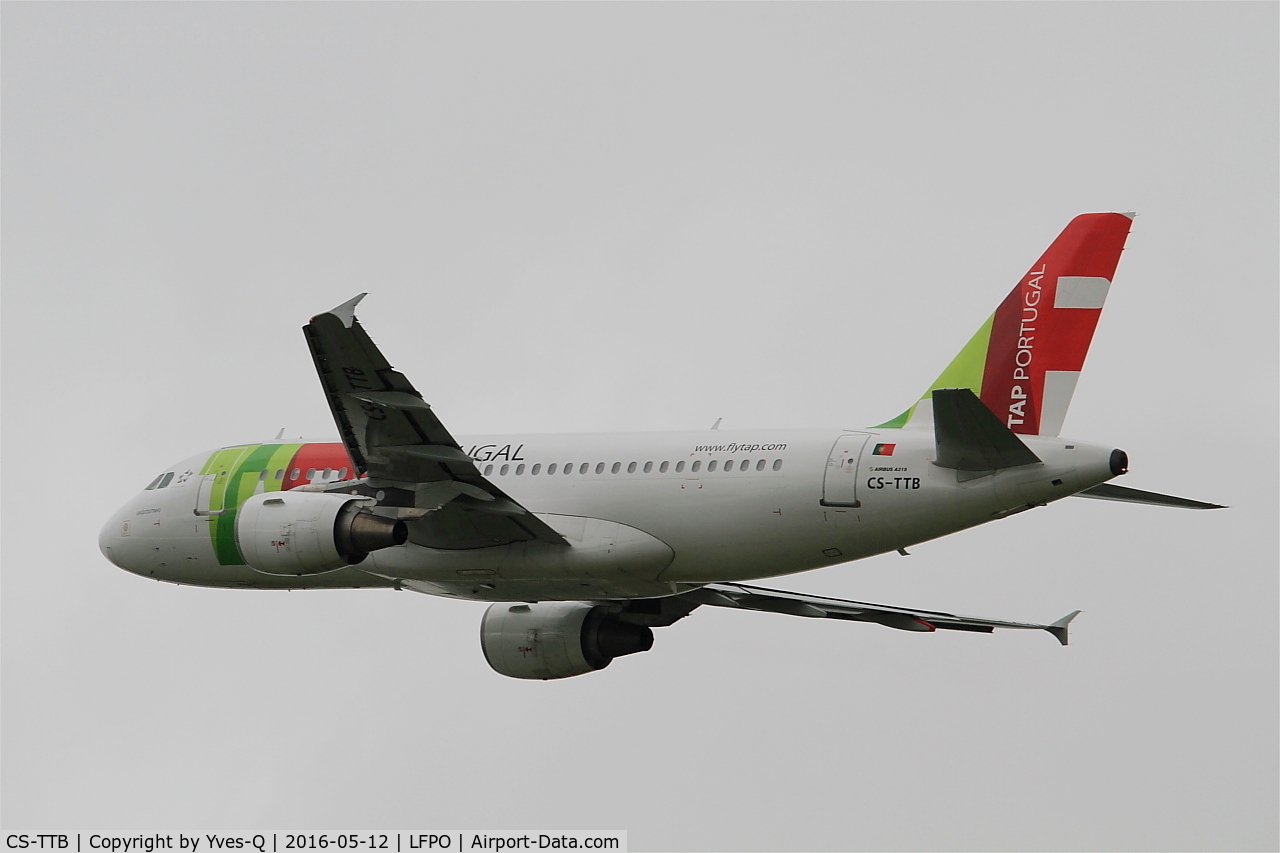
346 312
1059 628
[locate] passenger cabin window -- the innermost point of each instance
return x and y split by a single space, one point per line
695 467
503 470
662 469
711 466
551 469
617 466
631 469
760 465
648 466
262 475
519 469
599 467
280 473
488 469
679 466
311 473
777 464
583 468
536 469
728 466
295 473
342 473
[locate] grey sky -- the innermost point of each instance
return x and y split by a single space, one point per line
614 217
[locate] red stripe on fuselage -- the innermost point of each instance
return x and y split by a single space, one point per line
315 458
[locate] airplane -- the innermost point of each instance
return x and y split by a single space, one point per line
585 543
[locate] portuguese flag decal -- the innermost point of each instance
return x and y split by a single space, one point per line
883 450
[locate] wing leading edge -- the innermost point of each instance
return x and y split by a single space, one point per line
398 443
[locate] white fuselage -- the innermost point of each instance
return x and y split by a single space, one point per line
641 522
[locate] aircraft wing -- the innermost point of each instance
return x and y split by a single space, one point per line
817 606
396 440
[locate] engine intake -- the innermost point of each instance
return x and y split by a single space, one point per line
557 639
308 533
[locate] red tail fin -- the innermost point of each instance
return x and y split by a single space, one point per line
1023 362
1042 331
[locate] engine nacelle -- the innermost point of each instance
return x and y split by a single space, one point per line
557 639
307 533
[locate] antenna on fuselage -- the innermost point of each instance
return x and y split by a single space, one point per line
279 435
716 425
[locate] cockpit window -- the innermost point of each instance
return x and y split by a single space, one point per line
154 483
165 480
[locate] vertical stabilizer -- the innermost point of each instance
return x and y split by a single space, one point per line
1024 361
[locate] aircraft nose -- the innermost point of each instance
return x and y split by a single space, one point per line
109 539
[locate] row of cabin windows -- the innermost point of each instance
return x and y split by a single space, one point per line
325 475
568 468
616 467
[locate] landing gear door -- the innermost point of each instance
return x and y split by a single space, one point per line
840 484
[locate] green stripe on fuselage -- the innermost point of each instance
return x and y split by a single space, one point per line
237 474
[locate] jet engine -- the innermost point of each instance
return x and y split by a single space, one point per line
557 639
307 533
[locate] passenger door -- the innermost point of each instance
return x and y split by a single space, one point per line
840 483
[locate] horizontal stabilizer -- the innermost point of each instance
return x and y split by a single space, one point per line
1108 492
970 438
